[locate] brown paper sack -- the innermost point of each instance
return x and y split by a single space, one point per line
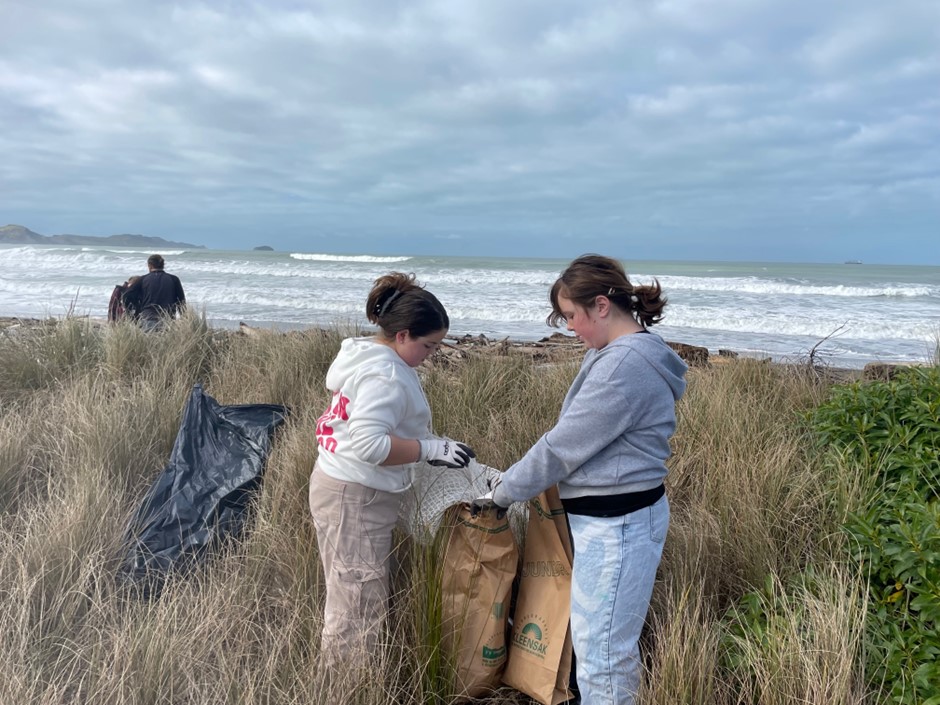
479 568
540 645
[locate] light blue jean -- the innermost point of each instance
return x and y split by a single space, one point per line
615 562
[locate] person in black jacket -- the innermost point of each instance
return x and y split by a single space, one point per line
156 296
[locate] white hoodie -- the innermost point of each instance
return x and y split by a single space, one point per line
375 395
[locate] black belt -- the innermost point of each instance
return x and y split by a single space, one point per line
613 505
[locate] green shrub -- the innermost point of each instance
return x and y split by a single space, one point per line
892 431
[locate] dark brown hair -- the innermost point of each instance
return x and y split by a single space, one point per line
397 302
156 261
590 276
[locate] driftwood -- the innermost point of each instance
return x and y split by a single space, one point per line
694 355
251 331
881 371
558 347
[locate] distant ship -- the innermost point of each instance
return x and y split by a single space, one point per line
853 261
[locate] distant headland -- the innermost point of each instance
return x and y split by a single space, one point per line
20 235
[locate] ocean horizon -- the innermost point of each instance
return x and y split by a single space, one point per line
854 312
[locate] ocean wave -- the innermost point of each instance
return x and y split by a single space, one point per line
69 261
346 258
337 272
24 249
282 299
138 251
362 273
756 285
818 325
467 279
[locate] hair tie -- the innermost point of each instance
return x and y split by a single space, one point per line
610 292
388 302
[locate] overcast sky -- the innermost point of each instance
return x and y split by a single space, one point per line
797 130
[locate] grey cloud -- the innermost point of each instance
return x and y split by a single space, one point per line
683 119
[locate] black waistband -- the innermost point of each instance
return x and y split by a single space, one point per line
613 505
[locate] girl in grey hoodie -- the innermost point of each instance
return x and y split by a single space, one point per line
607 453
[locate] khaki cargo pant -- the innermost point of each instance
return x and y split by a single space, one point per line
354 527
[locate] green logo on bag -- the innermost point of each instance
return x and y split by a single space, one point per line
533 629
492 657
493 654
533 636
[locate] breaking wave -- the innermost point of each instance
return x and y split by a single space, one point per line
345 258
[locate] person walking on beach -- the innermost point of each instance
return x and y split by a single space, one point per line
377 425
156 296
607 453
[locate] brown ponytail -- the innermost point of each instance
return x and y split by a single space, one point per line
397 302
590 276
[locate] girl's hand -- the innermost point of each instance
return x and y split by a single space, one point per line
443 452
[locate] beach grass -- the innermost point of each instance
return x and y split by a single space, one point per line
88 416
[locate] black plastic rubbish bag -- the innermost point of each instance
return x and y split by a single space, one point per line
202 496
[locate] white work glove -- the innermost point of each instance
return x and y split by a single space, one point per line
487 501
484 502
445 453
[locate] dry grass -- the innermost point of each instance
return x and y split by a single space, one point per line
87 420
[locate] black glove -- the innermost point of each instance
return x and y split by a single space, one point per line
443 452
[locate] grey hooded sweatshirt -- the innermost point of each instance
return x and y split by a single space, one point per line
612 436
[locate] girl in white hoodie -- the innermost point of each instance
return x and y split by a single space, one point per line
377 425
